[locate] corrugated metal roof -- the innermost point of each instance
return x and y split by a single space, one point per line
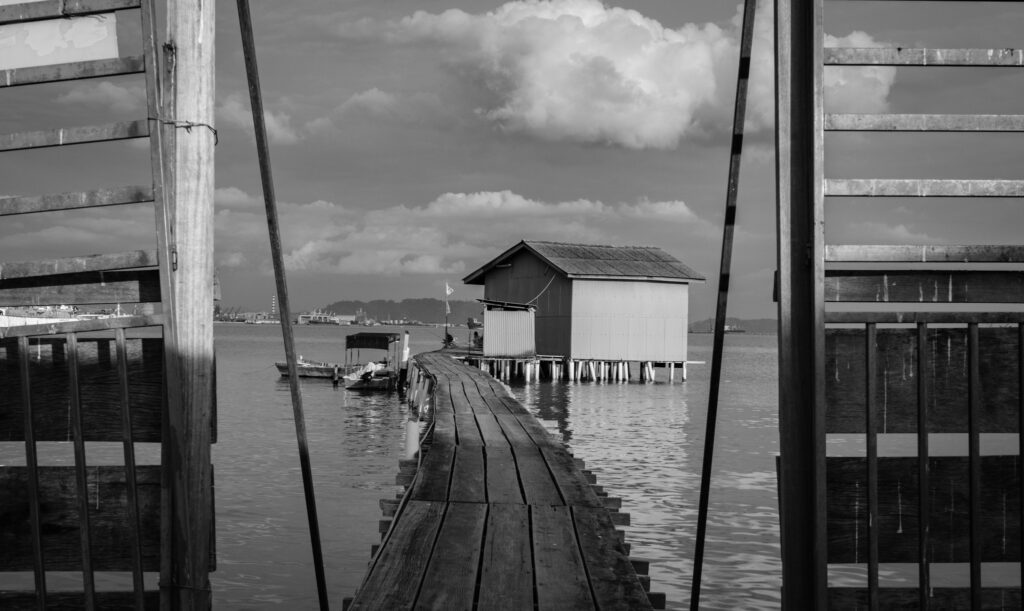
590 260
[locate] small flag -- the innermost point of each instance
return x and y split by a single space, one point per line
447 289
447 308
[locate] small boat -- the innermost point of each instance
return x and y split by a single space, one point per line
376 374
313 369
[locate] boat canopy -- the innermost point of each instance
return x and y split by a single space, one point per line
378 341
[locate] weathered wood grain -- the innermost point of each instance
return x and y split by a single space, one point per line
490 430
468 484
397 571
434 475
946 380
507 573
561 578
53 9
53 73
905 56
572 484
502 477
923 253
74 601
468 432
59 517
74 135
949 539
903 286
855 599
924 123
124 287
81 199
613 578
451 574
74 265
538 486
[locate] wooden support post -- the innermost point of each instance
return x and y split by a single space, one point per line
190 54
671 372
102 353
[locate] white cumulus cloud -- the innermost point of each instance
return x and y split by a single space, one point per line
235 111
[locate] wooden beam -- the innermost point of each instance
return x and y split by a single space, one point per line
73 265
74 135
81 326
924 123
925 187
926 286
15 77
80 199
142 286
923 253
76 600
900 56
59 9
910 317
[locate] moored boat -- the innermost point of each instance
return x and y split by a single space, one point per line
313 369
376 374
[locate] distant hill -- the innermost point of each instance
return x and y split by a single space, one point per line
756 325
423 310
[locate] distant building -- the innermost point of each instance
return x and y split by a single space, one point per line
607 303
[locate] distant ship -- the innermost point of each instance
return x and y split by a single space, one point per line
734 329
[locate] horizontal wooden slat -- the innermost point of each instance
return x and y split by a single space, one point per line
856 599
986 317
99 390
15 77
124 287
74 135
78 199
898 509
81 326
924 123
897 386
900 56
66 601
72 265
923 253
108 516
904 286
53 9
911 187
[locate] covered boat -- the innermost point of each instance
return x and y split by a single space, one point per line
379 373
313 369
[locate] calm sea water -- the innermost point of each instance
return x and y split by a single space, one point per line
643 441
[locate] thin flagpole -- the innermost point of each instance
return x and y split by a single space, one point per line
723 293
269 197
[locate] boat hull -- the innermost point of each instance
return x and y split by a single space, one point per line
312 370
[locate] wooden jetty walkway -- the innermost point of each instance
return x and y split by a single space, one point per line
498 515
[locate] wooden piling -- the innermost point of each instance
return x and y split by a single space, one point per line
191 35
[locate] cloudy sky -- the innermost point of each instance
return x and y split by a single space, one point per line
414 140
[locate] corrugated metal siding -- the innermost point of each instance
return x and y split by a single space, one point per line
634 321
527 278
509 334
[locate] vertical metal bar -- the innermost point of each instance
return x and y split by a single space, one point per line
732 193
81 476
974 460
923 477
270 199
1020 439
801 303
135 529
38 560
871 430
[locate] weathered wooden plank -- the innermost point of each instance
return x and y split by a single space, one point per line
74 601
871 414
53 73
502 478
54 9
922 187
397 571
79 199
458 394
561 579
469 434
924 123
443 398
612 577
902 56
946 380
490 431
450 579
538 486
74 135
507 574
22 357
434 475
108 515
469 386
72 265
490 396
855 599
574 487
911 317
128 450
923 471
974 463
923 253
911 286
468 476
82 326
512 428
898 522
124 287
